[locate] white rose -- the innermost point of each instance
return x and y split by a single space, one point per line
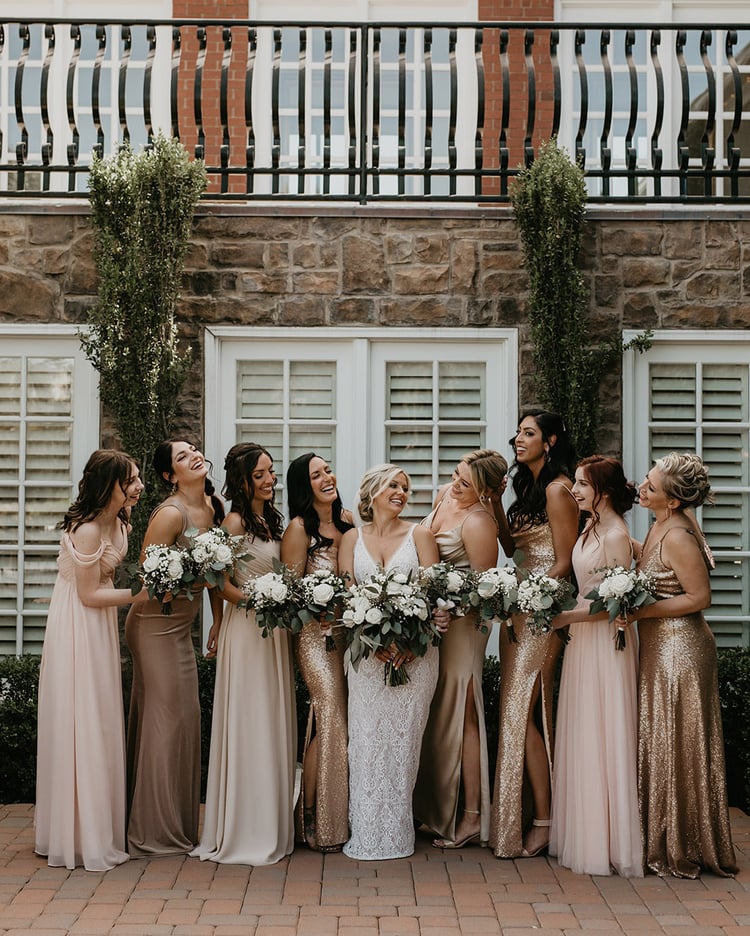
200 554
279 592
486 588
619 584
358 616
204 539
174 569
507 577
151 563
374 616
395 588
454 581
223 554
322 593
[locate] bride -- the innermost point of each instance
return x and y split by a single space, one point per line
386 723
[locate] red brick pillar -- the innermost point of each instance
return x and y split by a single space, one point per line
506 11
227 11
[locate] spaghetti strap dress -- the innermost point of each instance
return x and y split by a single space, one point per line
681 771
323 672
532 657
437 796
164 726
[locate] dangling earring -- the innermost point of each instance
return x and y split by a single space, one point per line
173 489
546 454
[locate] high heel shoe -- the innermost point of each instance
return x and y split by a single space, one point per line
469 839
540 824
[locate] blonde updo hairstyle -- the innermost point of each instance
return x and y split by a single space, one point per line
375 481
685 477
487 469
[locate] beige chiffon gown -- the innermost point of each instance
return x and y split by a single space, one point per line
681 771
533 656
323 672
250 794
80 790
437 795
595 825
164 730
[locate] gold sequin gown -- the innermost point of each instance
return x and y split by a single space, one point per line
249 817
323 672
681 773
462 648
520 665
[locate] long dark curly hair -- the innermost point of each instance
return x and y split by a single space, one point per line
302 502
239 489
104 469
162 465
530 505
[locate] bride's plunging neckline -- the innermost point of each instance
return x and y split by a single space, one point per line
397 550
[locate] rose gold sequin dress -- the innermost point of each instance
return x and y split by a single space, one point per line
323 672
437 793
520 664
681 773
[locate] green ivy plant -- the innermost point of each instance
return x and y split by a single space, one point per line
142 210
549 202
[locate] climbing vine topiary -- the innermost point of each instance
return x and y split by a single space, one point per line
549 201
142 209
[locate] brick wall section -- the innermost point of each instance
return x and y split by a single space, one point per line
391 269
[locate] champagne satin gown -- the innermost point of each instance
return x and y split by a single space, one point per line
521 663
681 771
323 672
437 796
250 793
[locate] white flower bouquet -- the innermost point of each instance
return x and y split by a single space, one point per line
389 610
620 591
321 593
494 596
166 570
446 587
214 553
275 599
541 598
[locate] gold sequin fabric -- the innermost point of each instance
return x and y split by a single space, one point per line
520 665
681 773
323 672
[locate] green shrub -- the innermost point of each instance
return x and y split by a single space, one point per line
18 695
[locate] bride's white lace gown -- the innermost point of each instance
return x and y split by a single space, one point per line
386 724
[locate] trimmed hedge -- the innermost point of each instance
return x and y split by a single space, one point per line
18 691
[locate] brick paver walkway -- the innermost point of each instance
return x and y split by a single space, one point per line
432 893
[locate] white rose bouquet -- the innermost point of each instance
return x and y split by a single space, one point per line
214 553
541 598
620 592
166 570
321 593
388 610
446 587
494 596
275 599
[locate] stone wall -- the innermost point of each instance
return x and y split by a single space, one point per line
264 265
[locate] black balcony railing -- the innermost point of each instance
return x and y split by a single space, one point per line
375 112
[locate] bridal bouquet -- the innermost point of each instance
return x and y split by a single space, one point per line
214 553
388 610
494 596
620 591
321 593
446 587
541 598
275 598
166 570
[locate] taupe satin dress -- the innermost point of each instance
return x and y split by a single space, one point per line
520 664
164 726
437 794
323 672
681 772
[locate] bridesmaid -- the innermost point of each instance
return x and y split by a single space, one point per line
250 793
595 824
310 542
681 774
452 795
543 523
80 782
164 725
